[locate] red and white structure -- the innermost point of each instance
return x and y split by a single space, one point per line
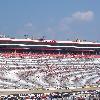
49 64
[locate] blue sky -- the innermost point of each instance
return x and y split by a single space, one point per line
54 19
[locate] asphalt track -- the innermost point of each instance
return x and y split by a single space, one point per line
29 91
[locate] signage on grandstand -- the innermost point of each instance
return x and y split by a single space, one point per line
51 41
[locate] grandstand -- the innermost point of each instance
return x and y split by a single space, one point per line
46 64
33 65
35 68
47 71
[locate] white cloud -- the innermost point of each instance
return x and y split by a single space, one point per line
83 16
29 24
29 27
66 22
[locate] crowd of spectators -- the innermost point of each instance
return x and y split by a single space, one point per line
35 70
93 95
49 71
